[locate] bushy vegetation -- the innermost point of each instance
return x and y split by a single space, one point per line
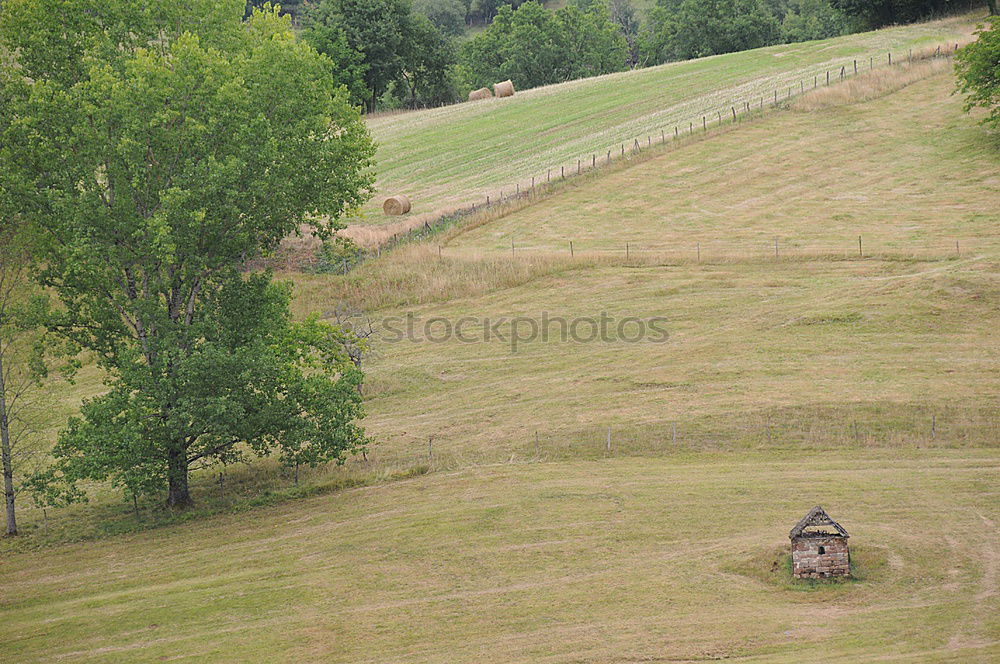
533 46
156 152
979 72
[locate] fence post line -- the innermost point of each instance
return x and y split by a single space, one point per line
430 447
890 58
609 440
609 156
571 253
577 166
828 77
626 251
871 62
704 123
855 66
860 252
663 136
562 172
734 113
487 199
593 160
532 182
957 251
537 451
933 426
677 132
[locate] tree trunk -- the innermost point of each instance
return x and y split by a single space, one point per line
178 494
8 469
993 7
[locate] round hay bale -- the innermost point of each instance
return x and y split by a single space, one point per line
396 205
481 93
505 89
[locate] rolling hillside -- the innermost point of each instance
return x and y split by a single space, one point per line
573 500
826 345
456 155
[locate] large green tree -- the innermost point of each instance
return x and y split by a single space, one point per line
378 29
684 29
533 46
160 146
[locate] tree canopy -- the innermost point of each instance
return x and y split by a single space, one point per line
159 147
533 46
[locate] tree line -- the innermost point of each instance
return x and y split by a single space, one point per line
393 54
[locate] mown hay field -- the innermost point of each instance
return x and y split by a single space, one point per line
626 560
456 155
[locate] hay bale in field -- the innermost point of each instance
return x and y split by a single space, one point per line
396 205
505 89
481 93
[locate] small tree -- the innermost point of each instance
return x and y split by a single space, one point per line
18 373
978 67
177 144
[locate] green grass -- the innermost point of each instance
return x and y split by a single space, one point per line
457 155
621 560
817 348
910 173
865 384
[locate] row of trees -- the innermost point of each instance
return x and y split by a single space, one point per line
148 151
391 54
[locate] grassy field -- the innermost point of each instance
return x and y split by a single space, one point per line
819 346
625 560
616 501
457 155
907 172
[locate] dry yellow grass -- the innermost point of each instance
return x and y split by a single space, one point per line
875 84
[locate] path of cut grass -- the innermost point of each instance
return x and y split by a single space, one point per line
457 154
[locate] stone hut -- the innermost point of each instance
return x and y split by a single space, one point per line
818 553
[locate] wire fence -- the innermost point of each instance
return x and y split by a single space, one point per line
859 426
732 112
